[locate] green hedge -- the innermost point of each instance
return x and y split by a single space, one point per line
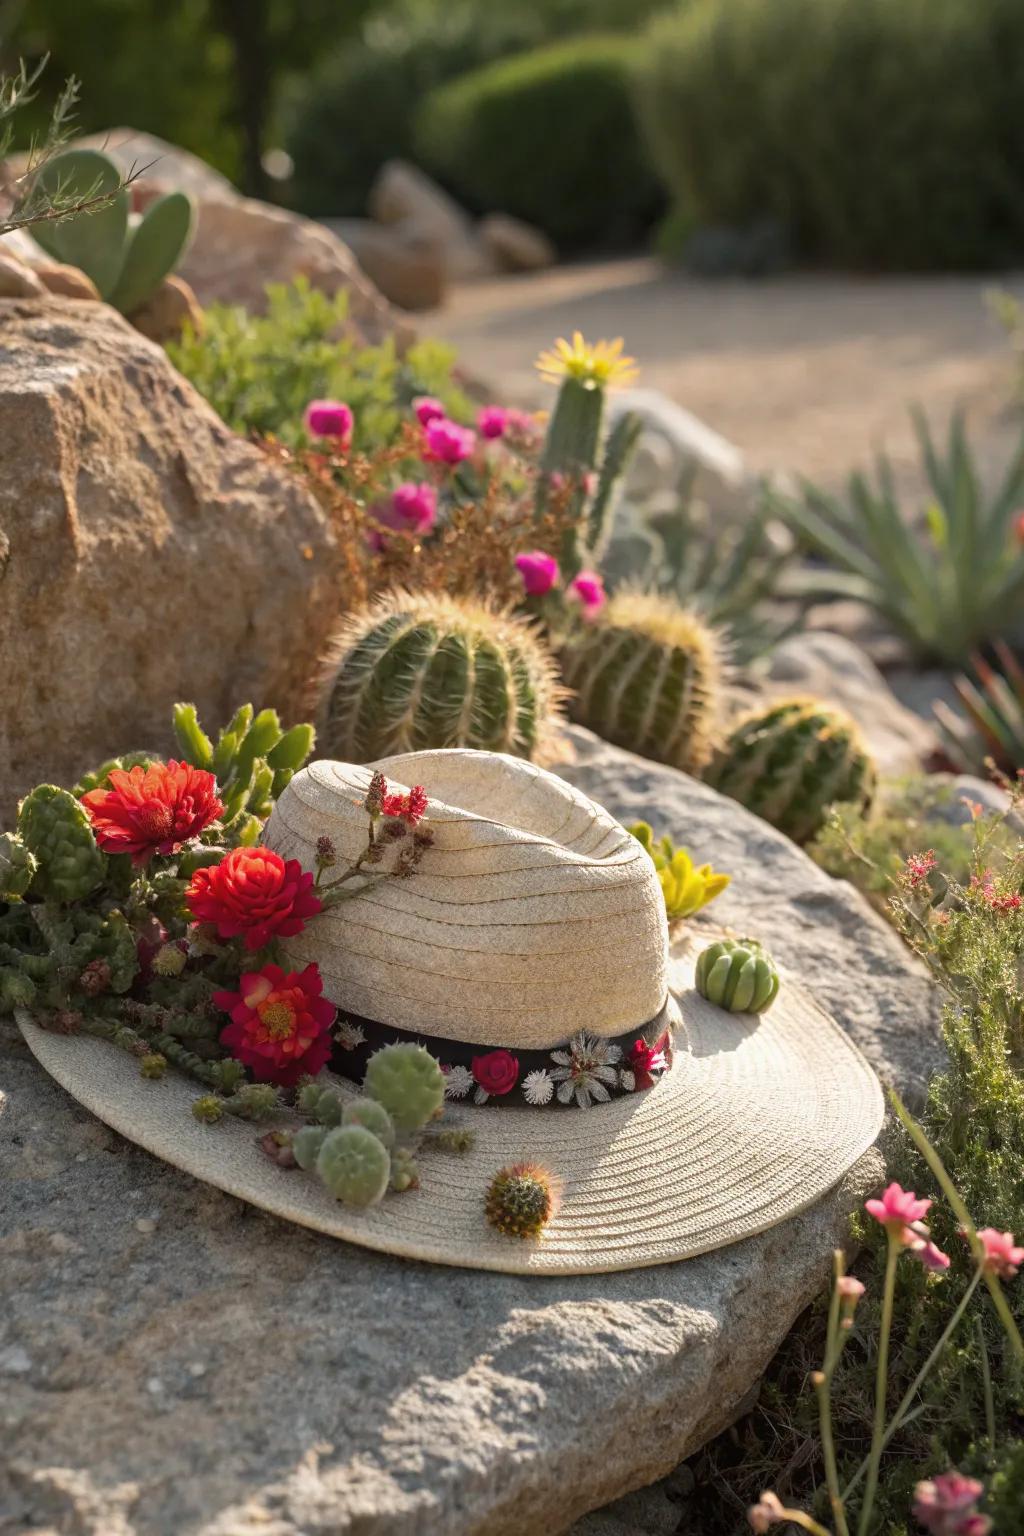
549 136
880 133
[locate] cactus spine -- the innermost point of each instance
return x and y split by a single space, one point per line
571 450
520 1200
737 974
408 1082
126 257
424 671
646 676
789 764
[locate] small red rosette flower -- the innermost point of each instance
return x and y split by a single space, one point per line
280 1024
647 1060
496 1072
152 810
256 893
410 808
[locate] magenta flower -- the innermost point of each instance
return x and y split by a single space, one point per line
897 1210
538 570
428 409
330 418
492 421
925 1251
588 589
445 442
412 508
944 1505
918 867
1002 1257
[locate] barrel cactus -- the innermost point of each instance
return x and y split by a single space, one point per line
737 974
355 1165
792 762
408 1082
56 831
520 1200
646 676
420 672
127 256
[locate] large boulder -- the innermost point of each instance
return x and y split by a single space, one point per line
171 1360
147 554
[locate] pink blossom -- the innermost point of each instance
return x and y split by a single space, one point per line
412 508
1018 527
538 570
768 1511
492 421
897 1210
445 442
944 1505
428 409
588 589
925 1251
330 418
996 901
850 1288
1002 1257
918 867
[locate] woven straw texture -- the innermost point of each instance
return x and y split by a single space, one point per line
535 913
757 1119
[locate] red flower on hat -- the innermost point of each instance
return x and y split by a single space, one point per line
152 810
410 808
280 1025
253 891
497 1072
645 1060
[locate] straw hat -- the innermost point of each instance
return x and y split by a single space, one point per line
534 916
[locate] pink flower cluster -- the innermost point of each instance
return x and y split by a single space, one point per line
901 1213
444 441
917 868
946 1506
540 574
985 889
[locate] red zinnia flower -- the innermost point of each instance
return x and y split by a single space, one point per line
152 810
253 891
411 807
280 1025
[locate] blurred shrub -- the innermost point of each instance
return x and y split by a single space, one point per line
548 136
878 133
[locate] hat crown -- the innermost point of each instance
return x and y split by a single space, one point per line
533 915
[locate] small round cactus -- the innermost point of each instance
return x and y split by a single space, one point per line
17 866
737 974
16 989
407 1080
791 763
355 1165
521 1200
373 1115
646 676
208 1109
306 1145
56 830
405 1173
420 672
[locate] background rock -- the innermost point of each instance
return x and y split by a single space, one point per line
402 192
153 555
406 262
176 1364
674 444
514 245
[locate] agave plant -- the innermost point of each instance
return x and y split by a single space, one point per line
992 723
948 585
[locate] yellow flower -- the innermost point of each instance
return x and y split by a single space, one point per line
685 887
598 365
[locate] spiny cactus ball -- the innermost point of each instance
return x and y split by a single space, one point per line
355 1165
407 1080
417 672
646 676
791 763
737 974
56 830
374 1116
521 1200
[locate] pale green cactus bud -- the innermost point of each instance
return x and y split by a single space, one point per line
153 1066
373 1115
405 1173
306 1145
737 974
355 1165
208 1109
408 1081
169 960
17 866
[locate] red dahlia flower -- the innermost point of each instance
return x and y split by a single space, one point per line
280 1025
253 891
152 810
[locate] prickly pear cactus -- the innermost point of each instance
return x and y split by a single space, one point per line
306 1145
56 831
17 867
355 1165
407 1080
420 672
647 676
737 974
373 1116
792 762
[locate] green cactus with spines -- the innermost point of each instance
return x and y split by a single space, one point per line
18 865
126 256
408 1081
424 671
737 974
520 1200
306 1144
56 830
368 1112
355 1165
646 675
790 763
619 448
97 778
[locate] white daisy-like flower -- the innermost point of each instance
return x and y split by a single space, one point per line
457 1082
627 1080
537 1087
586 1070
348 1035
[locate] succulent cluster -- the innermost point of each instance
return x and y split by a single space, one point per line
426 671
791 763
127 256
685 886
54 831
737 974
521 1200
253 760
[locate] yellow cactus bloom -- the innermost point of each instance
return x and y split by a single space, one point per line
685 886
600 365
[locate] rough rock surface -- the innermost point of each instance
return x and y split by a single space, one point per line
403 194
175 1364
405 261
515 245
151 555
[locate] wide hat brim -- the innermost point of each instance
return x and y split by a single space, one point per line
757 1118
